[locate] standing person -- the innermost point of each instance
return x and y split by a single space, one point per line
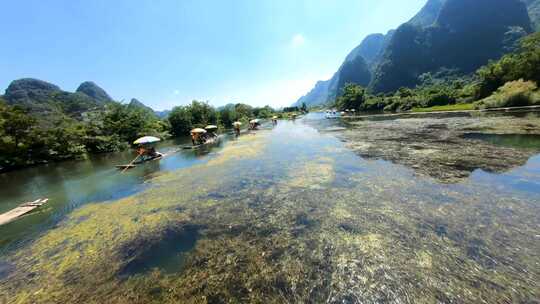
212 131
254 124
197 136
236 126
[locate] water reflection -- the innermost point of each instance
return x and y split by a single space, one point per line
73 183
448 146
521 141
292 215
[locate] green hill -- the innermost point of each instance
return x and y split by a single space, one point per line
457 35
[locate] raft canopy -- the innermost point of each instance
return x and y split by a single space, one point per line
254 121
274 117
237 123
198 131
211 127
146 140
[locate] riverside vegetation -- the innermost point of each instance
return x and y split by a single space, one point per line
41 123
508 82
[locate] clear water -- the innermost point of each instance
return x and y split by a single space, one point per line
521 141
73 183
280 215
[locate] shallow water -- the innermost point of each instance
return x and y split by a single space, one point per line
290 215
523 141
71 184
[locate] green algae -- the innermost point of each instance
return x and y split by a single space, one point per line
303 238
312 174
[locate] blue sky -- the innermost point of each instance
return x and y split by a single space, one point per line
168 52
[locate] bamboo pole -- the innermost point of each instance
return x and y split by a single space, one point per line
131 163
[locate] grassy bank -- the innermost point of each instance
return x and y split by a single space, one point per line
454 107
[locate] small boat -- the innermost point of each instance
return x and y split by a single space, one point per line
146 152
21 210
209 141
134 164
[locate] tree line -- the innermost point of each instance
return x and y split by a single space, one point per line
65 131
199 114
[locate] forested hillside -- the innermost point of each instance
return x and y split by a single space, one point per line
446 35
466 35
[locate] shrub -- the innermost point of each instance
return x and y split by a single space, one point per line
512 94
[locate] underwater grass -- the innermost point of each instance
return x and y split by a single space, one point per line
303 238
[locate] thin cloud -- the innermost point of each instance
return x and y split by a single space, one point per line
298 40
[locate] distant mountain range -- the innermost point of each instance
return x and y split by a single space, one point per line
42 97
459 35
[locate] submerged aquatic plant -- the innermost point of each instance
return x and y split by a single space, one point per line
307 228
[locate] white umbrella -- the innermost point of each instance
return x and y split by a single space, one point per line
254 121
146 140
198 130
237 123
211 127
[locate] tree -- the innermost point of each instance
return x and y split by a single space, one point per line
525 64
16 124
352 98
203 114
244 111
228 115
197 114
180 120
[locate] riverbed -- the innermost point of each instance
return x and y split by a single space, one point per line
310 211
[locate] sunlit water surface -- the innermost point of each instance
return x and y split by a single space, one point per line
279 215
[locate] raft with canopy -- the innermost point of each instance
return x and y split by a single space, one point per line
145 152
146 140
198 131
254 123
199 138
212 129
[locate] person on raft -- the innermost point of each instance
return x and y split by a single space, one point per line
254 124
197 136
147 153
236 126
211 132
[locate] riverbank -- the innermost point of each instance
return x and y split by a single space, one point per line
445 110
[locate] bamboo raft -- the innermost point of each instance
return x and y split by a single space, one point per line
21 210
207 143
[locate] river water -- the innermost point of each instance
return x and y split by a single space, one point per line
281 215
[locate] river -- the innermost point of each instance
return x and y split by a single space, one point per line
304 212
